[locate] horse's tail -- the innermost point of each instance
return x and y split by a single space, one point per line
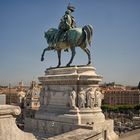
88 30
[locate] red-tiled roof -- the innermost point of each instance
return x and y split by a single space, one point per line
112 91
10 91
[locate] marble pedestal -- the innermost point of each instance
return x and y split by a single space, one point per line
56 115
58 83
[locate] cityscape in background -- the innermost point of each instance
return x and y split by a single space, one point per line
114 94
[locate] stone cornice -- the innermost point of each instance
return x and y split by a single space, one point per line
71 75
9 110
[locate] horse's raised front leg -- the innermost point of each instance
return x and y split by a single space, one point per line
59 58
89 56
72 56
42 56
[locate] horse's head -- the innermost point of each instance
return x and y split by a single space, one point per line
45 34
50 35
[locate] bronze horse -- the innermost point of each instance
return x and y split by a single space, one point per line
74 37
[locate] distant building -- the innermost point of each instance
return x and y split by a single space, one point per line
32 98
13 95
116 94
2 96
2 99
112 85
119 96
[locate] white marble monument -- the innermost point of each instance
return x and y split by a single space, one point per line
71 99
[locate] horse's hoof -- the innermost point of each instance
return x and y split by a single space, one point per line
57 66
68 65
89 63
42 59
66 50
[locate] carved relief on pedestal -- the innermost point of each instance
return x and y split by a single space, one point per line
89 98
42 96
81 98
98 97
72 99
85 98
47 96
90 95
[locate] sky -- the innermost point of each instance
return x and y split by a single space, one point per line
115 46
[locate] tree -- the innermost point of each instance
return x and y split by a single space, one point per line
109 108
137 107
139 85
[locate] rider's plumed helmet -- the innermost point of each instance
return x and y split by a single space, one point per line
71 8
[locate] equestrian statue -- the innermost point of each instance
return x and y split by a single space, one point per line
68 36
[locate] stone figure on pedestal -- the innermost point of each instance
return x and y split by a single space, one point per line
72 99
81 98
32 98
21 97
90 98
98 97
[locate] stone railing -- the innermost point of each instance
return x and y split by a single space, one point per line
8 127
